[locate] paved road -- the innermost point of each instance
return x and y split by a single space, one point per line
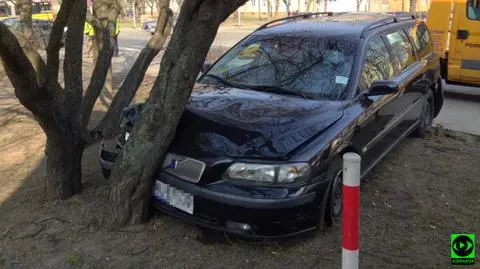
456 114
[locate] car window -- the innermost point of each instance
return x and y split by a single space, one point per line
318 68
421 39
378 63
473 9
402 49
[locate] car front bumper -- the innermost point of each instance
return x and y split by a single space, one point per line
267 218
221 211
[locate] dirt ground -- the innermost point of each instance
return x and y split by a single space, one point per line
422 192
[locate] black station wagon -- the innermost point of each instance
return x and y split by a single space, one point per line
258 149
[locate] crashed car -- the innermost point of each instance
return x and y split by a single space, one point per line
258 150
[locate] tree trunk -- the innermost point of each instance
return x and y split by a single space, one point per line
309 5
104 25
64 152
41 94
110 123
269 8
132 177
413 6
25 10
259 11
277 5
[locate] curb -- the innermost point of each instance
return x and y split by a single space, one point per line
462 96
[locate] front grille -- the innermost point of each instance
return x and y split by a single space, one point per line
183 167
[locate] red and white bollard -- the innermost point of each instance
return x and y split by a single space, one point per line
351 210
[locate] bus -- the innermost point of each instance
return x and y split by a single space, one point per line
41 9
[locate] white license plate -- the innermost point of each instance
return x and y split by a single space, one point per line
173 196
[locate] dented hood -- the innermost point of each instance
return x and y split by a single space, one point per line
246 123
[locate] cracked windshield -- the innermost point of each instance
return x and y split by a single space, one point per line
304 66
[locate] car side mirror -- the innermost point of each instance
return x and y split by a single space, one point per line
383 87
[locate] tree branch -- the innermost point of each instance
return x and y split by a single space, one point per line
56 35
110 123
97 80
18 67
72 67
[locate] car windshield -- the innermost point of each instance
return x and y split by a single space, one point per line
316 68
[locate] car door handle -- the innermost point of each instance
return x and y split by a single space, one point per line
463 34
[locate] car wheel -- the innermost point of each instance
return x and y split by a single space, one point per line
426 118
334 205
106 173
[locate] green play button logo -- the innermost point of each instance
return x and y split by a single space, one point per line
462 248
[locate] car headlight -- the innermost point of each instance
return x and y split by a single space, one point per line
268 174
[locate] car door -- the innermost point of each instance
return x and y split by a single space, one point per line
377 65
414 82
464 54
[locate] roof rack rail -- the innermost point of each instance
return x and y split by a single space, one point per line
301 16
388 20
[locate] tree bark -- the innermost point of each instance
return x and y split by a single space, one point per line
132 177
106 13
25 10
277 5
413 6
110 123
64 159
309 5
46 100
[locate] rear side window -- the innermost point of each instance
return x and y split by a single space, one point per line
421 39
378 63
402 49
473 9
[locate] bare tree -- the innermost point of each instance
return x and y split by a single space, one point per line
111 122
413 6
277 5
63 113
310 4
133 174
151 5
25 10
269 8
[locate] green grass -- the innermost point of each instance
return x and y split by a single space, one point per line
74 258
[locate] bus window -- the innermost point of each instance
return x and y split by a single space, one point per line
41 8
473 10
5 11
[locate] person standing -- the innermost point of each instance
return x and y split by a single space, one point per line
115 38
90 35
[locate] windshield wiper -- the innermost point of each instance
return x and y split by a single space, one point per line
223 81
280 90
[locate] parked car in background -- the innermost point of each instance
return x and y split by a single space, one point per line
150 26
258 150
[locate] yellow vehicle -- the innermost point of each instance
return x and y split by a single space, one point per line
457 39
7 9
42 10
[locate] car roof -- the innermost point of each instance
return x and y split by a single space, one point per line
345 24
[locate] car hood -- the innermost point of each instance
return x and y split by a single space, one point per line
245 123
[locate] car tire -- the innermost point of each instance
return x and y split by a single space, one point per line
426 118
106 173
334 204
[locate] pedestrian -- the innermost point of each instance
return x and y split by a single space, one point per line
90 35
115 38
